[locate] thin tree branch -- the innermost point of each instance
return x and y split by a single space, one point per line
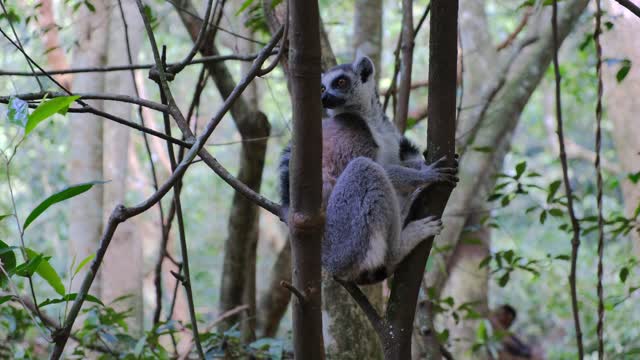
299 294
122 213
198 43
89 96
596 36
377 322
575 225
630 6
201 60
523 23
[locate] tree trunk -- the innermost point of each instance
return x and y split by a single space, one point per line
306 223
347 332
443 52
86 211
367 31
275 300
621 42
122 269
56 57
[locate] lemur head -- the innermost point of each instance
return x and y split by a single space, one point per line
350 88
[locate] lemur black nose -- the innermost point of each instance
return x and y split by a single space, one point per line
330 101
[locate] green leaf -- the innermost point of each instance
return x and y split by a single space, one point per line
520 168
244 6
563 257
624 274
83 263
484 262
48 273
70 297
65 194
17 111
46 109
275 3
90 6
4 299
556 212
483 149
504 279
28 268
508 255
2 217
553 188
634 177
624 70
543 216
8 259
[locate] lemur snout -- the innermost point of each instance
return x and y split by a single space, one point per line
331 102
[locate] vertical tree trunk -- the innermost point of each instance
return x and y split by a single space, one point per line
443 54
122 269
56 56
275 300
621 42
85 228
367 31
347 332
306 223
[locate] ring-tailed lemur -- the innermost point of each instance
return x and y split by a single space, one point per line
369 169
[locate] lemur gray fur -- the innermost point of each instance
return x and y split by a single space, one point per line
369 170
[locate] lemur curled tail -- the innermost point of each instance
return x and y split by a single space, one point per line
369 171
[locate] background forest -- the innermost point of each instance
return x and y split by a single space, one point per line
508 233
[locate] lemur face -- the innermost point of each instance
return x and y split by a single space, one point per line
348 86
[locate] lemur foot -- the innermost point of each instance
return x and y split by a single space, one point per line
438 173
424 228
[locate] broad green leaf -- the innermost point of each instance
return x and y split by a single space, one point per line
553 188
48 108
65 194
556 212
8 259
4 299
70 297
504 279
520 168
244 6
624 70
634 177
29 268
2 217
83 263
48 273
543 216
484 262
624 274
17 112
563 257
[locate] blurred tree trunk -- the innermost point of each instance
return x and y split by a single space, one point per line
122 269
367 31
348 333
56 57
495 130
620 98
275 300
238 274
85 164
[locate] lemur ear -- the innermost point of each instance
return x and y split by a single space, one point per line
363 66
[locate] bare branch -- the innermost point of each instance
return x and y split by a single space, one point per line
575 225
299 294
89 96
630 6
404 91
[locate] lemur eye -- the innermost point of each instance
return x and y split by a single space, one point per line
342 83
322 89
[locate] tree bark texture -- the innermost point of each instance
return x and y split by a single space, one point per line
56 57
122 268
306 223
443 52
85 164
367 31
621 42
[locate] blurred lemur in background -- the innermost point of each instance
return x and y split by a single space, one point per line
370 172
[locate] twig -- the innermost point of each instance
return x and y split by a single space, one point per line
299 294
122 213
13 29
377 322
630 6
396 69
575 225
509 40
175 69
89 96
596 36
201 60
281 51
